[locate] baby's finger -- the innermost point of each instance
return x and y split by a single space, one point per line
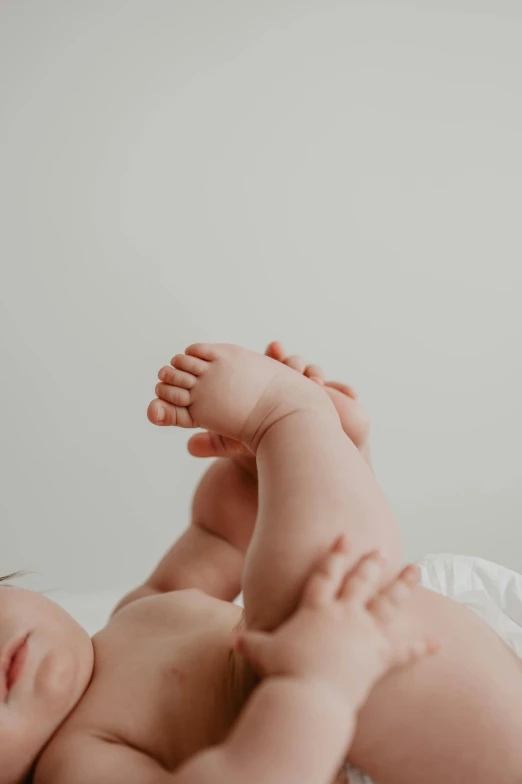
364 581
327 577
388 602
418 649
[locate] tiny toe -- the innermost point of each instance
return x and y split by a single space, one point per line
156 413
202 350
296 363
177 378
175 395
276 351
189 364
314 371
160 412
344 388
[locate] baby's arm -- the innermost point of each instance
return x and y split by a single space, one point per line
210 553
319 668
291 731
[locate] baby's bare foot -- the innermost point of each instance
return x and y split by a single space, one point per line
354 420
232 391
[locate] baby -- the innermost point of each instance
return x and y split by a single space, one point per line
166 684
317 668
325 660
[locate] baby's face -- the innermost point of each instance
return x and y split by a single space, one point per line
46 662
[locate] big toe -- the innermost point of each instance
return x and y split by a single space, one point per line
276 351
162 413
156 412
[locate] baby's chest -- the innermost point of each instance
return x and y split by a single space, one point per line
136 696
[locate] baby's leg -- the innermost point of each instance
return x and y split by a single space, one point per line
313 483
455 718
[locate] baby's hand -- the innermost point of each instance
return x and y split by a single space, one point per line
339 632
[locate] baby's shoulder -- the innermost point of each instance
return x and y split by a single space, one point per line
149 609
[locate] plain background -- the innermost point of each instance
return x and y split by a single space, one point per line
343 176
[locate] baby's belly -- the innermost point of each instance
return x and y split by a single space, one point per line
453 718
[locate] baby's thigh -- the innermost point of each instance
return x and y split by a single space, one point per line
454 717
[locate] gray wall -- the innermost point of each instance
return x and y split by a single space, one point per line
344 176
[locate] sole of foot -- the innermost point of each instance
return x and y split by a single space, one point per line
354 419
231 391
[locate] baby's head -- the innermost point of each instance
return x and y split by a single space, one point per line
46 662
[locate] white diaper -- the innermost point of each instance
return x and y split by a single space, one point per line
354 776
490 590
